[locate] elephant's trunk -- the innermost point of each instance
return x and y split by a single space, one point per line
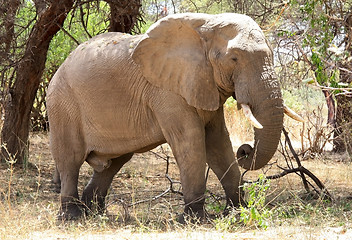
267 107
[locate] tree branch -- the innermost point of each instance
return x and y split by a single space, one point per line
300 171
69 35
287 139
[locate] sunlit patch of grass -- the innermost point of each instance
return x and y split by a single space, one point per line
313 213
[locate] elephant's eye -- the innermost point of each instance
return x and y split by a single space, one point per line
234 59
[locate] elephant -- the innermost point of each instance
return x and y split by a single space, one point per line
119 94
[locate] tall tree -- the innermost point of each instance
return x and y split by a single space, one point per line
21 93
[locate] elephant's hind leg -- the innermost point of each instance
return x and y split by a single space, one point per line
68 165
70 204
67 147
97 188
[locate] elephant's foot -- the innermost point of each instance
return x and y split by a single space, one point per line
70 209
231 205
193 213
94 204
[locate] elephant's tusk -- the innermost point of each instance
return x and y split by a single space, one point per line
249 115
289 112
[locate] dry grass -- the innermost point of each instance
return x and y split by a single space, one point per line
29 204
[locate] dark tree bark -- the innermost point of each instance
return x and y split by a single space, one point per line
124 15
8 11
343 128
20 96
331 104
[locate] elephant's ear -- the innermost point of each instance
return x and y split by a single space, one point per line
173 56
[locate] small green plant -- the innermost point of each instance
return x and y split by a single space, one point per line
256 212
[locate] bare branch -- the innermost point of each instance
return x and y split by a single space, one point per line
300 171
287 139
69 35
84 24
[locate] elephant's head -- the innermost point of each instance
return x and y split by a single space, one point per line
206 59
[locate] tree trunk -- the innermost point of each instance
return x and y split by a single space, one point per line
343 132
8 11
331 104
343 129
20 96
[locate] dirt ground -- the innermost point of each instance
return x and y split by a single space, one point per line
140 204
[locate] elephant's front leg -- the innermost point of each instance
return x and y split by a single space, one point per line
184 131
221 159
190 156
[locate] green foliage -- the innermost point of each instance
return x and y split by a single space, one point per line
256 213
320 37
300 99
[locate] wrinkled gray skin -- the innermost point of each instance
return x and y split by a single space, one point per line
118 94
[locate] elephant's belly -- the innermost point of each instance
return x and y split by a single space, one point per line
119 136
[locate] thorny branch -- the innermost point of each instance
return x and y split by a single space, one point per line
288 141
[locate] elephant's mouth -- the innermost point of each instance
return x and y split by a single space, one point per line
234 96
248 113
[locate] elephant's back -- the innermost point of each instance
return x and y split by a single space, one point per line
102 60
107 53
110 45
